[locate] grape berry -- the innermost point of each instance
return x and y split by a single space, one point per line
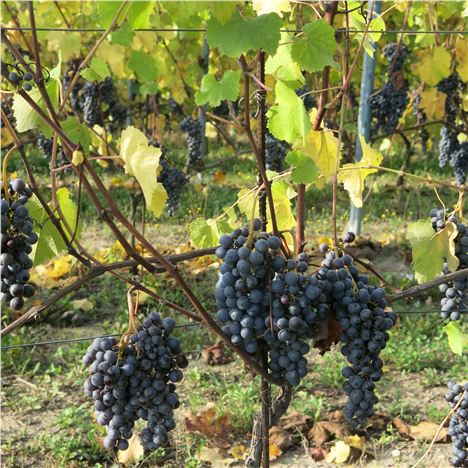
458 426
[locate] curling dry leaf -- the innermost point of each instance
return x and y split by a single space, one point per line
281 438
214 354
207 423
295 422
322 431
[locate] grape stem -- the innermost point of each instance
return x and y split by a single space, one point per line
441 425
4 169
252 218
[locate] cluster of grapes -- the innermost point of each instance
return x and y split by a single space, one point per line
458 426
308 99
16 244
451 150
421 118
7 108
174 107
67 77
136 381
89 104
396 55
388 104
173 181
46 146
275 152
359 309
455 300
18 78
194 140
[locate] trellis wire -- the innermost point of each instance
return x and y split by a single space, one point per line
340 30
188 325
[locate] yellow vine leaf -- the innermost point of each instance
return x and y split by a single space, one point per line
354 174
339 453
263 7
433 65
77 158
433 103
114 56
142 162
321 146
461 52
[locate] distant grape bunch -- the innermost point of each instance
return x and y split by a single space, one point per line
457 396
136 381
262 297
20 78
174 182
275 152
455 302
17 240
194 140
421 119
388 104
452 150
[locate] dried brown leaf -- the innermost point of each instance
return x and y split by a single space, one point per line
214 354
281 438
326 430
295 422
318 453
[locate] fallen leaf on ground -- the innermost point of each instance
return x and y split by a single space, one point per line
425 430
322 431
274 451
280 438
356 442
215 428
239 452
295 421
215 457
339 453
214 354
318 453
133 453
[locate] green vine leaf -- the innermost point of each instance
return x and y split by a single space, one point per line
305 171
206 232
78 133
213 92
457 339
239 35
281 65
314 50
430 249
97 70
287 119
50 242
143 65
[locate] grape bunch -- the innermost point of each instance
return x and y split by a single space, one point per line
359 309
455 300
136 381
19 78
17 240
458 426
89 104
452 151
421 119
388 104
275 152
174 182
194 140
174 107
308 99
72 69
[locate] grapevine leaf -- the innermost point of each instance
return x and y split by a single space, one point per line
149 89
123 36
282 197
432 101
26 117
457 339
213 92
143 65
67 43
114 55
239 35
321 146
222 11
434 65
107 11
314 50
77 158
339 453
358 22
288 119
245 198
305 171
142 161
50 242
281 65
206 232
97 70
354 174
139 14
78 133
430 249
263 7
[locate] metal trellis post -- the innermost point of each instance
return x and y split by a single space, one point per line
364 120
